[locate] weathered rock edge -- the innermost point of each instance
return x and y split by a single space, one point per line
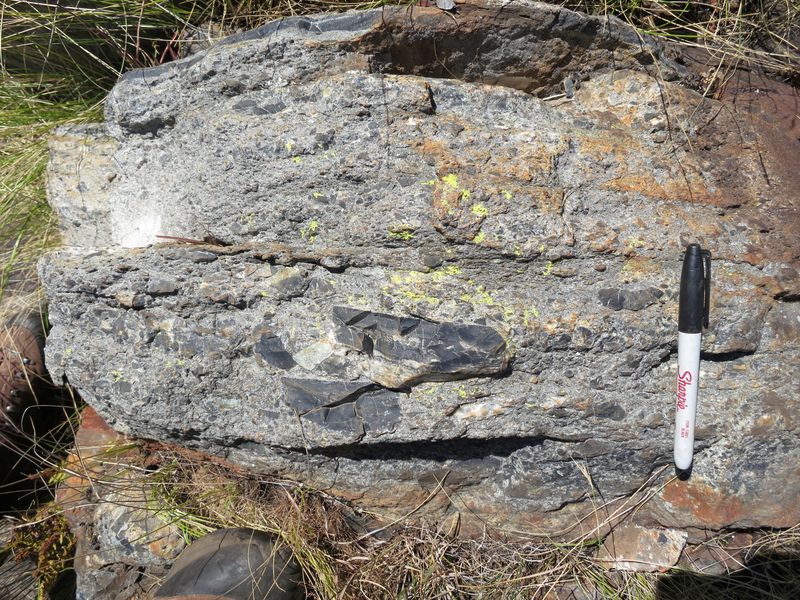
436 283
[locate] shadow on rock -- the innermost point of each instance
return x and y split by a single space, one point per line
770 574
37 442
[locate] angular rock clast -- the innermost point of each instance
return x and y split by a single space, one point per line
407 350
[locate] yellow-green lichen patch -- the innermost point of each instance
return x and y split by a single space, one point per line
451 180
420 297
249 220
448 284
529 314
506 194
446 271
548 268
309 232
479 237
410 286
418 287
180 363
431 395
632 243
403 232
358 301
479 296
480 210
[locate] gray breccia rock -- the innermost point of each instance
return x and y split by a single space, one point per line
127 531
438 275
348 65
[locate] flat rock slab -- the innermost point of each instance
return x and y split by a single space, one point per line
426 275
634 548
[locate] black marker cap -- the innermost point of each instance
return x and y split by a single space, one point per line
695 290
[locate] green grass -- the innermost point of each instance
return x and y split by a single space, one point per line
27 117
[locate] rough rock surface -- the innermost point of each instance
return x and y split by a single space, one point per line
634 548
122 547
440 277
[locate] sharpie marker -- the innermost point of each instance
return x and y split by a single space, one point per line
692 318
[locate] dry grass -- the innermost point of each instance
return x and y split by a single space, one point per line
345 556
763 34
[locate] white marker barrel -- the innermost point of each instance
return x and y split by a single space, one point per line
686 402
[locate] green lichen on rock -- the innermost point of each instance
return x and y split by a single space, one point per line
401 232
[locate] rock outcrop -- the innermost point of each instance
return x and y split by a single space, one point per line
430 261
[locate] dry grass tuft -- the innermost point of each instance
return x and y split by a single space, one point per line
763 34
346 555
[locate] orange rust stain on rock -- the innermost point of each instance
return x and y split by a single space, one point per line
548 199
706 504
529 163
89 461
602 238
683 182
94 431
609 144
638 266
755 255
690 188
444 159
703 227
502 167
642 183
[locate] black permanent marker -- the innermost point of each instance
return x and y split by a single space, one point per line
695 294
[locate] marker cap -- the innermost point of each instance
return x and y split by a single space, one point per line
695 291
